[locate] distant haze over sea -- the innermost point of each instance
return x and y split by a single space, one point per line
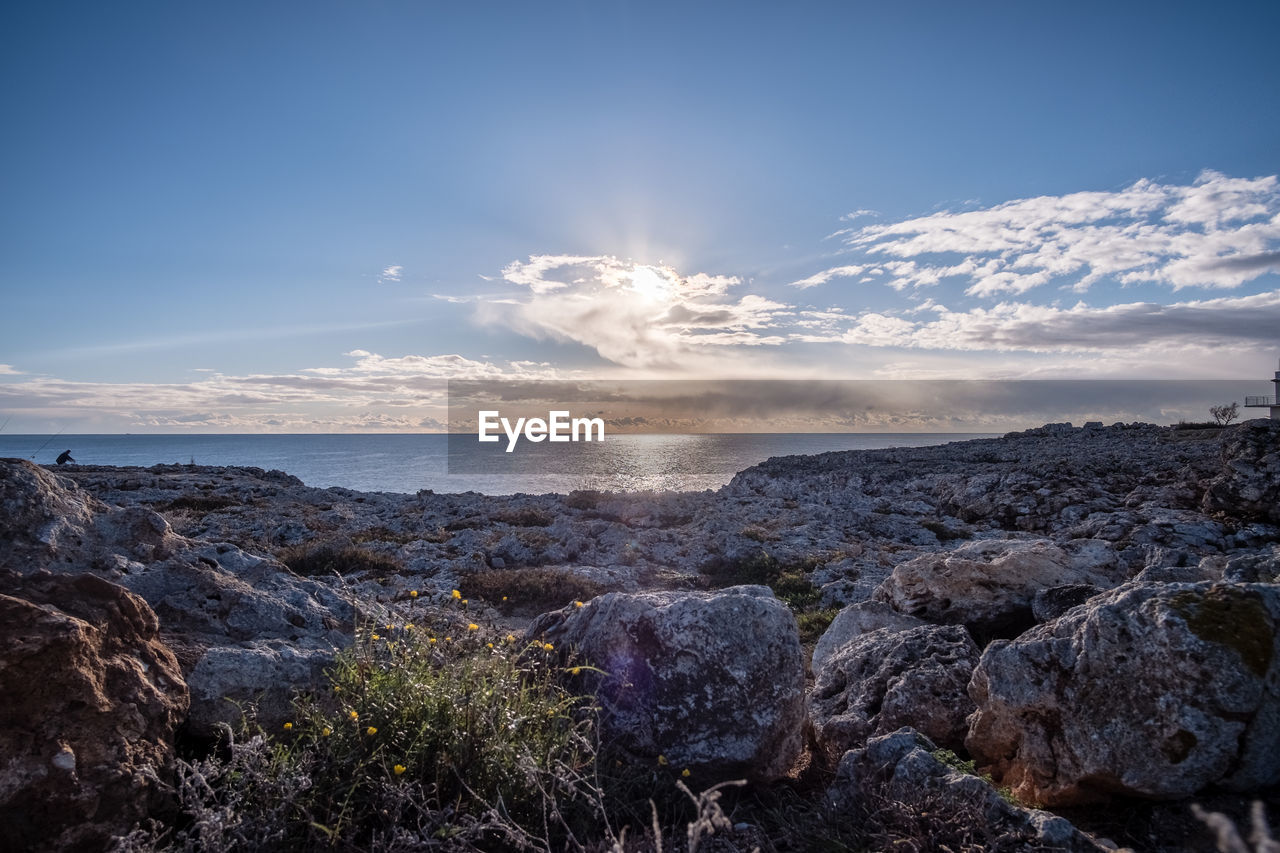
408 463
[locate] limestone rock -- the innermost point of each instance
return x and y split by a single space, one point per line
890 678
92 700
1248 486
854 621
903 768
209 597
708 680
1048 604
1151 690
990 584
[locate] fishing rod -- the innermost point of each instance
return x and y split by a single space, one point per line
46 443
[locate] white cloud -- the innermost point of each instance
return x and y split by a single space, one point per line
391 273
1248 322
1219 232
635 315
332 399
825 276
9 370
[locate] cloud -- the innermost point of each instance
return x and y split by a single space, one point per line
391 273
9 370
1219 232
825 276
322 399
1248 321
635 315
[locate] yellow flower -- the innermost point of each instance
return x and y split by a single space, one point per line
685 773
326 731
504 598
389 627
413 593
662 759
547 647
337 688
408 626
371 731
456 594
448 639
576 670
465 600
288 727
471 626
376 637
511 638
577 604
353 715
488 645
431 640
398 769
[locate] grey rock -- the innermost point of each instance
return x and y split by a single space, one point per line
890 678
854 621
708 680
903 768
1151 690
1051 603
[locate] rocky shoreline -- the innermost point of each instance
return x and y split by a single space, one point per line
1090 614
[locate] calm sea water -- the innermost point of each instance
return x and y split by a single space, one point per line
407 463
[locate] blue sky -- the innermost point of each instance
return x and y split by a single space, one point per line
306 216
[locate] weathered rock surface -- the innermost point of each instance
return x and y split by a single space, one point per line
854 621
1152 690
713 681
92 698
991 584
213 600
902 768
894 677
1248 486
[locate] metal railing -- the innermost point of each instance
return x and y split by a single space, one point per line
1255 402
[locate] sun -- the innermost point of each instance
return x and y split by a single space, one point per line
650 283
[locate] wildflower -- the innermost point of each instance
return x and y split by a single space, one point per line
662 760
371 731
456 594
376 637
431 640
353 715
337 688
488 645
448 639
504 598
511 638
408 626
577 604
389 627
547 647
326 731
399 768
288 727
576 670
471 626
685 773
465 600
413 593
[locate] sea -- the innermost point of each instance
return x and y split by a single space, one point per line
449 464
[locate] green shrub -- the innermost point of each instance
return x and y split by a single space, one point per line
325 558
529 591
814 624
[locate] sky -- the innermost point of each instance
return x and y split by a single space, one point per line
307 216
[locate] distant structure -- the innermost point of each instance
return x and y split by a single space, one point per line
1272 403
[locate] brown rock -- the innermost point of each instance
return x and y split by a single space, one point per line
92 700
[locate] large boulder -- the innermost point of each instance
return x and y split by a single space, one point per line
854 621
1151 690
92 700
890 678
1248 486
990 584
213 600
713 681
901 790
